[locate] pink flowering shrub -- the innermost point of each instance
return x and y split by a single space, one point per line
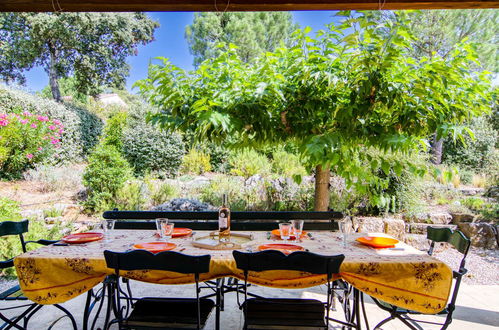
26 139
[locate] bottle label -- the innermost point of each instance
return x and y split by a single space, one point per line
222 221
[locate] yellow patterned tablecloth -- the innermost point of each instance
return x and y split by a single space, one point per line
407 278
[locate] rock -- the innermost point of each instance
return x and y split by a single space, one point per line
254 180
198 181
184 204
394 227
440 218
418 241
32 214
418 217
471 191
461 217
52 220
481 234
421 228
369 224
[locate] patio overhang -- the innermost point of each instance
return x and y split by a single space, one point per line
236 5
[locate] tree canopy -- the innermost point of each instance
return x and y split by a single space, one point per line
252 32
91 47
351 90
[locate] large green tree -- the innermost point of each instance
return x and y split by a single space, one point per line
437 32
90 47
338 97
254 33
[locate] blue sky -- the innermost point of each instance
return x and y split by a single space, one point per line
170 43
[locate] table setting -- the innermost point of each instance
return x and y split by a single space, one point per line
374 263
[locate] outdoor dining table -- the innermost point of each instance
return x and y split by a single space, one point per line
404 276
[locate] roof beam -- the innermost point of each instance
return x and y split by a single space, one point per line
236 5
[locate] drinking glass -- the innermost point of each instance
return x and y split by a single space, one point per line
345 227
297 229
285 230
160 226
107 228
168 230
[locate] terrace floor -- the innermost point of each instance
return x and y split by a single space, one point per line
477 307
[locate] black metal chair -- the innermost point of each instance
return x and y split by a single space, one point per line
277 313
15 293
163 313
462 244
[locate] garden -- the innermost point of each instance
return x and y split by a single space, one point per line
345 121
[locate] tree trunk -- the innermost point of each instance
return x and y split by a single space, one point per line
54 84
436 150
321 188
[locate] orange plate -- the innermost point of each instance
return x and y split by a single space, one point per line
155 247
81 238
277 232
378 242
285 248
179 232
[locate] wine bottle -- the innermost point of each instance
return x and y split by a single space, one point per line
224 221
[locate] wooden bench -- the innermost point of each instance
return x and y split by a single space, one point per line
208 220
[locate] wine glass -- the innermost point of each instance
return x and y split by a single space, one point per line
107 228
345 227
160 226
297 229
285 230
168 230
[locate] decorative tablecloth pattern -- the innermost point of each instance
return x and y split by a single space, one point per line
407 277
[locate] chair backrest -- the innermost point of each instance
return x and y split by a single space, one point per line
167 260
454 237
15 228
208 220
300 260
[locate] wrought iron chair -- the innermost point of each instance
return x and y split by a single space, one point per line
462 244
277 313
8 228
164 313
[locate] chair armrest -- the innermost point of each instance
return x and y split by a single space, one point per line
43 242
7 263
459 273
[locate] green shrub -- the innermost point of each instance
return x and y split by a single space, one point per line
161 193
219 157
196 162
25 140
130 197
113 131
81 127
478 153
105 175
9 210
51 178
241 197
473 203
248 162
284 194
150 150
287 164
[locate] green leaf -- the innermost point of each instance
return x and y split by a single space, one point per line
385 166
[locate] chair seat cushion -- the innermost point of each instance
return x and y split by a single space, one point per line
168 312
13 293
287 313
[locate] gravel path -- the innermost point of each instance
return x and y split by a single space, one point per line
482 265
